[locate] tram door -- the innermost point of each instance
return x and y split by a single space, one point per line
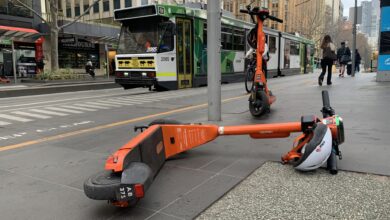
184 53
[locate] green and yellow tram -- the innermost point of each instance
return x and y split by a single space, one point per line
165 46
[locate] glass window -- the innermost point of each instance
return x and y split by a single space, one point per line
149 36
86 5
144 2
294 48
287 54
272 44
15 8
77 10
106 5
385 43
96 8
117 4
239 40
74 59
205 35
128 3
68 9
227 38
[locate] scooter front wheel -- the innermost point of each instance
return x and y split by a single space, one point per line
259 105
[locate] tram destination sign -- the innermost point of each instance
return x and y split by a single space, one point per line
137 12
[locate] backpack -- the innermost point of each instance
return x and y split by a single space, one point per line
328 53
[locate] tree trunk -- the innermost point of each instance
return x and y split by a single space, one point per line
54 48
54 34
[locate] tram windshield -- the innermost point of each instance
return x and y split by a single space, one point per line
146 36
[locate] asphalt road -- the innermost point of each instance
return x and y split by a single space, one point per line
49 144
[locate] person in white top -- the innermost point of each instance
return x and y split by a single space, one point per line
328 58
266 57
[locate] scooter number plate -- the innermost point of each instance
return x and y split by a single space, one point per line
125 192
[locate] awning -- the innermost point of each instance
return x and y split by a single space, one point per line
19 34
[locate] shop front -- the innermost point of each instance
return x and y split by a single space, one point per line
20 49
74 52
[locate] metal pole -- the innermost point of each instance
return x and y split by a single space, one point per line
214 59
354 39
14 61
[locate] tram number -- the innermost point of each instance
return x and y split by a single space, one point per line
164 59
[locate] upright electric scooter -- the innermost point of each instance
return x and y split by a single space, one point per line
131 170
261 97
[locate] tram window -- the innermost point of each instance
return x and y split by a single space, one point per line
166 32
227 42
205 35
239 40
272 44
294 48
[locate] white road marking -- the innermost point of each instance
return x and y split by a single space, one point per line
15 118
106 104
115 102
48 112
81 108
124 102
2 123
91 105
31 115
63 110
132 101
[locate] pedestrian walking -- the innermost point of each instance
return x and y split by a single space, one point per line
358 60
328 58
343 57
89 68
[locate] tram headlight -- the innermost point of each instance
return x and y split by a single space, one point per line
126 74
144 74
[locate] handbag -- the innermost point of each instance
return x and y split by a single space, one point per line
345 58
330 54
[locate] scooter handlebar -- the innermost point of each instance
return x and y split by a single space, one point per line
275 19
244 11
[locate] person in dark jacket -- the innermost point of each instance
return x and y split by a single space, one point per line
343 57
358 60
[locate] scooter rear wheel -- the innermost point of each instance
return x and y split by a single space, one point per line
102 185
260 105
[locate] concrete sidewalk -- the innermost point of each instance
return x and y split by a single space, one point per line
55 86
295 195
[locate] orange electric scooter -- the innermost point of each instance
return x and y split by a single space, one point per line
261 97
131 170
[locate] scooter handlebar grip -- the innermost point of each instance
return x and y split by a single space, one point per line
325 99
275 19
244 11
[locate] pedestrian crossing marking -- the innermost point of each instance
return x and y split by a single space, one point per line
106 104
79 108
63 110
115 102
28 114
2 123
48 112
91 105
15 118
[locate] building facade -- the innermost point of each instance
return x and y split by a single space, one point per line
20 42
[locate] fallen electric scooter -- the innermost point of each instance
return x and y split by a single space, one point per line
131 170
